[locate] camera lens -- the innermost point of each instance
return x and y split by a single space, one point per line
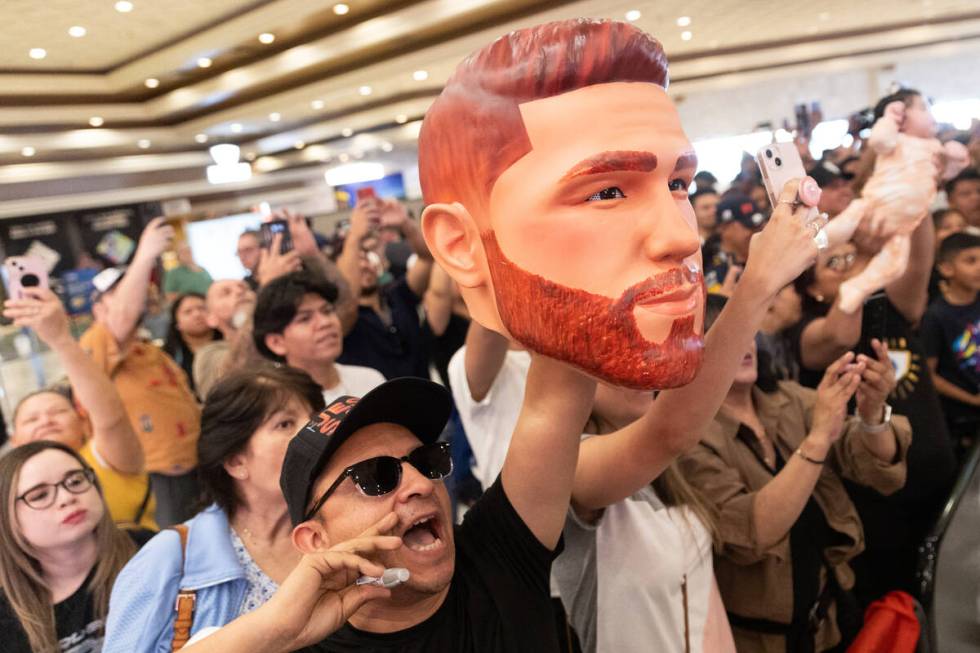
30 281
769 153
779 161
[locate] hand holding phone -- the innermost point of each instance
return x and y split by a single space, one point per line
270 229
25 272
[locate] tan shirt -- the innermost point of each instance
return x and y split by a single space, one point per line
757 583
157 397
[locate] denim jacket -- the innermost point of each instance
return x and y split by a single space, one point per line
142 606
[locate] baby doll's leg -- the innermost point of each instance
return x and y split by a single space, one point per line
887 265
840 229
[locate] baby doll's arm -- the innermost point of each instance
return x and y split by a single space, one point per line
884 134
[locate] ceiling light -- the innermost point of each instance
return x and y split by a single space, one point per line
143 143
686 36
250 156
354 173
387 147
299 145
317 104
683 21
37 53
28 151
201 138
96 121
204 62
365 90
420 75
236 127
124 6
344 157
267 38
226 168
275 116
633 14
77 31
340 9
224 154
401 118
152 82
346 132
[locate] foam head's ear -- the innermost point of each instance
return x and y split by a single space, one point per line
454 239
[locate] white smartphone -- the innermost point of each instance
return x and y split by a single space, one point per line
779 162
25 272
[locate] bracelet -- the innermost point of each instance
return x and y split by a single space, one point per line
814 461
878 428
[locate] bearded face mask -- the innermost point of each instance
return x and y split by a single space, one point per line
569 228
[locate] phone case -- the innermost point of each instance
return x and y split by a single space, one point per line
270 229
25 272
779 162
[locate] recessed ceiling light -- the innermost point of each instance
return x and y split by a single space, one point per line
152 82
124 6
420 75
346 132
387 147
143 143
633 14
686 36
683 21
317 104
77 31
204 62
275 116
96 121
365 90
37 53
28 151
340 9
267 37
250 156
236 127
343 157
201 138
299 145
401 118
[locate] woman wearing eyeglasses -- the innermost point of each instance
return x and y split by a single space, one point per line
239 548
60 551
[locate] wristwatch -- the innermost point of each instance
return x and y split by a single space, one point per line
878 428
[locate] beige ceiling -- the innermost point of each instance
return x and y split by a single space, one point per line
312 74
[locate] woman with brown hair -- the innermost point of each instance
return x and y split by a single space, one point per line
60 551
238 549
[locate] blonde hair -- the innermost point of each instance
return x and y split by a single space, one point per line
674 490
20 572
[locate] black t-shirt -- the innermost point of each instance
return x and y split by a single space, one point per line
498 600
395 350
78 629
951 334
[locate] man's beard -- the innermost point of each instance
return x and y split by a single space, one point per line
594 333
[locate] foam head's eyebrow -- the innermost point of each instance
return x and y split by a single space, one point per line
613 161
687 160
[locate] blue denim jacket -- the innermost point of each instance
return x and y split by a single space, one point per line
142 606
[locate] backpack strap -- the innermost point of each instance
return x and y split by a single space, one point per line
185 599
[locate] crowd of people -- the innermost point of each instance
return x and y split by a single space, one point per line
223 491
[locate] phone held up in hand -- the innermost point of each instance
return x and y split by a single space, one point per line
779 162
270 229
24 272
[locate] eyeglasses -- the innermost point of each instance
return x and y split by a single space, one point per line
379 476
44 495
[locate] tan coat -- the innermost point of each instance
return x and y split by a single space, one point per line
758 583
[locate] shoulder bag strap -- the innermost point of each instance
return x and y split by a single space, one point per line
185 599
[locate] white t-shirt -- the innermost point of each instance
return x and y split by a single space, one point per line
490 423
355 381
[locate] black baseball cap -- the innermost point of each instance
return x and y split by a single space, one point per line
826 172
740 208
421 406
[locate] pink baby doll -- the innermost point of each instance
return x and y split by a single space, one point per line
900 192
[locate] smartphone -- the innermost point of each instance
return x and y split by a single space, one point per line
25 272
779 162
270 229
366 193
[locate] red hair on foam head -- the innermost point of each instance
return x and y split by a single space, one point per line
473 131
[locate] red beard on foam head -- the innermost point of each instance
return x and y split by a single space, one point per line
594 333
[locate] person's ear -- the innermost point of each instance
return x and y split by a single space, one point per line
310 537
454 240
945 269
276 343
236 468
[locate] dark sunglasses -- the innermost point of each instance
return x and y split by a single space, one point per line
379 476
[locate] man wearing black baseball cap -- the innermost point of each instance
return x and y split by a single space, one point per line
739 218
365 478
